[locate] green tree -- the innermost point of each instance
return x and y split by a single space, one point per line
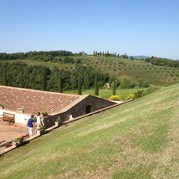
79 85
5 77
125 83
53 79
44 80
74 80
60 85
114 87
96 88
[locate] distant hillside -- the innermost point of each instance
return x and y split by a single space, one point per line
135 140
140 57
123 68
153 71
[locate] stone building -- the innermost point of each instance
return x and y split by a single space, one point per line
24 102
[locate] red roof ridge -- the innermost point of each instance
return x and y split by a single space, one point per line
33 101
39 91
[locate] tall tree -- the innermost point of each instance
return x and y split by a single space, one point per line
96 88
5 77
79 85
60 86
44 80
114 87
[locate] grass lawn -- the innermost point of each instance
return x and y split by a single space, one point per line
135 140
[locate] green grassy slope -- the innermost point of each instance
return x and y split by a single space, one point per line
135 140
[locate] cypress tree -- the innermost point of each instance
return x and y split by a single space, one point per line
114 87
5 77
96 90
60 86
79 85
44 80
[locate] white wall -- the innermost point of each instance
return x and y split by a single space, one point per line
19 118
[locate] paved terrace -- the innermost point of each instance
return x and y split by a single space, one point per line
10 132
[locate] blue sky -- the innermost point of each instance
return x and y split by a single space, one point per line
134 27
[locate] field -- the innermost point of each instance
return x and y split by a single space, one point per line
135 140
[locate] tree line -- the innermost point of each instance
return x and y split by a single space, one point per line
53 55
19 74
35 54
108 54
163 62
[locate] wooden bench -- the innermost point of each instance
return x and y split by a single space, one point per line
8 117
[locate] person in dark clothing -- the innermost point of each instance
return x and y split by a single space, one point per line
30 125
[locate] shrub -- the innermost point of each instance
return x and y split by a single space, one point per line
130 96
59 120
19 140
143 84
45 113
149 90
138 94
115 98
2 106
35 119
125 84
41 128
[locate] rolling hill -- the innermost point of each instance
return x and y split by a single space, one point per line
135 140
120 68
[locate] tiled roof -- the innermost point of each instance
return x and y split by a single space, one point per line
35 100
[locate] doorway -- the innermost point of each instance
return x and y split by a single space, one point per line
88 109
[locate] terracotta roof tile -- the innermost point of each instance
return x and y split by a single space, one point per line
34 100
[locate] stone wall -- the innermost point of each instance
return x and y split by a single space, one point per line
87 105
94 103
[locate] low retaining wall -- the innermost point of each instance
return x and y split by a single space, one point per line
49 121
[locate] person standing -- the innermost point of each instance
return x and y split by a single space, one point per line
39 122
42 119
30 125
